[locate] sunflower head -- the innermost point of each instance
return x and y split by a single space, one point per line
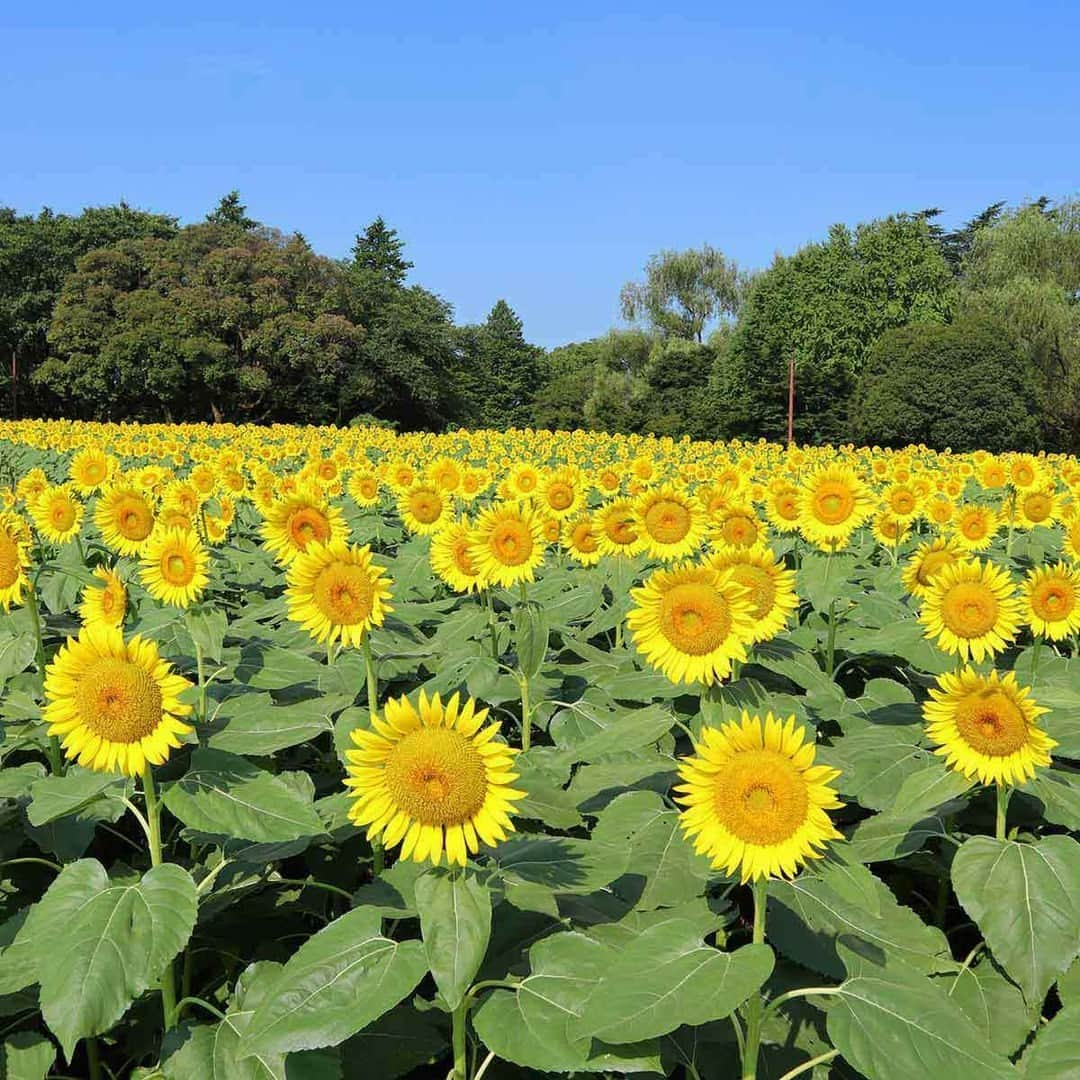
579 537
125 516
450 557
985 726
1052 600
433 778
755 802
617 529
507 544
105 602
670 523
174 566
424 508
770 587
115 705
833 503
14 560
57 513
298 519
926 562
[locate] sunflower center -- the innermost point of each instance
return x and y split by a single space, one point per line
583 538
991 723
437 777
93 473
739 530
425 506
118 700
667 521
974 526
787 506
560 496
308 524
620 529
760 587
62 515
1037 508
932 562
761 798
9 560
460 553
902 502
969 609
177 567
695 618
1053 600
344 593
134 519
511 543
833 503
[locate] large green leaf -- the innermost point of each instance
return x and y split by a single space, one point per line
530 639
1055 1053
255 725
226 795
55 796
1025 899
117 938
26 1056
337 982
994 1003
667 977
455 923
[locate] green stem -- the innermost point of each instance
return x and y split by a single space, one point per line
791 995
212 1009
200 668
493 628
378 856
526 713
32 860
82 553
458 1036
1036 649
755 1007
806 1066
304 883
153 821
56 757
830 644
1003 792
93 1060
524 593
1012 522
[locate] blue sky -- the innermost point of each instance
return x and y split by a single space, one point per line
541 152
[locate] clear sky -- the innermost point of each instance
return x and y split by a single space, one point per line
541 152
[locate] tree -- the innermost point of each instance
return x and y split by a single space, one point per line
231 212
824 306
565 382
683 291
619 384
965 385
676 377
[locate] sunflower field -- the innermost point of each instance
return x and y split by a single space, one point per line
342 753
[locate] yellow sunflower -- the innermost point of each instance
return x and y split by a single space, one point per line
1036 507
434 779
424 509
173 567
736 525
691 622
57 514
336 592
14 560
524 481
125 517
671 523
579 537
903 502
364 487
833 503
616 529
974 527
90 468
1052 599
755 802
507 544
782 507
985 726
445 474
889 531
301 518
940 510
105 603
926 562
770 586
561 492
115 704
1071 543
971 609
450 557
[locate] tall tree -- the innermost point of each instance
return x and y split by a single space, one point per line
231 212
683 291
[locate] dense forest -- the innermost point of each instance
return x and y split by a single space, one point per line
899 331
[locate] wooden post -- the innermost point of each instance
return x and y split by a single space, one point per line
791 400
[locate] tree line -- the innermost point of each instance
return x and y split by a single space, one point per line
898 329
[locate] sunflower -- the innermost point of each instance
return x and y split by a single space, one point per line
833 502
524 480
335 591
971 609
364 487
754 800
940 510
616 529
782 508
105 603
57 514
985 726
1025 472
691 622
1052 597
736 525
89 469
1037 507
507 544
14 560
115 704
770 586
579 537
173 568
432 779
450 556
561 492
445 474
424 509
298 519
125 517
903 502
1071 543
974 527
889 531
671 524
926 562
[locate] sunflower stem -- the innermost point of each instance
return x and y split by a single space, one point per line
755 1007
493 628
1012 522
153 821
458 1037
830 644
378 857
1036 649
1003 791
200 667
93 1058
56 757
526 714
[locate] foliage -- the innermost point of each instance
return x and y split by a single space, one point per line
964 385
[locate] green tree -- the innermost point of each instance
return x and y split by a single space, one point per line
683 291
824 306
565 383
619 384
230 211
965 385
676 377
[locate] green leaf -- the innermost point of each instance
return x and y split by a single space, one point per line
822 578
547 800
891 1023
15 780
875 761
666 977
396 1044
995 1005
586 731
117 939
1025 899
530 639
207 629
16 653
26 1056
272 667
256 726
226 795
58 796
455 924
337 982
1055 1053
